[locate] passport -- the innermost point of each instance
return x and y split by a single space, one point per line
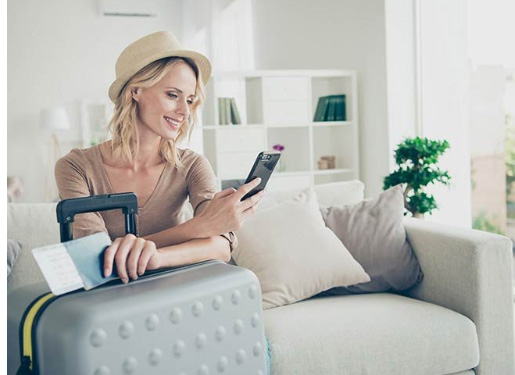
74 264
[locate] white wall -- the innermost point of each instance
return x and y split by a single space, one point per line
334 34
60 52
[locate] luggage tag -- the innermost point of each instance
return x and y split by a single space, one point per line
74 264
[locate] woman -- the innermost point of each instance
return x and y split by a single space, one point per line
159 87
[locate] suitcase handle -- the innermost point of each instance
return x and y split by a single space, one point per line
68 208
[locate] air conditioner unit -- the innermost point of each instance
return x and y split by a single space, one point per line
128 8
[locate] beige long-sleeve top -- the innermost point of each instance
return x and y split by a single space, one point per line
81 173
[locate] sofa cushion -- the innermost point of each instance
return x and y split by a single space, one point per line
379 333
339 193
373 231
293 254
33 225
13 252
331 194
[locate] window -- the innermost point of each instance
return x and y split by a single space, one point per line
492 115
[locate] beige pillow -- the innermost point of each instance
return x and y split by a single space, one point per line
374 233
330 194
293 254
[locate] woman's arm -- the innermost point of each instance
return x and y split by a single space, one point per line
190 230
191 252
222 214
71 177
133 255
225 211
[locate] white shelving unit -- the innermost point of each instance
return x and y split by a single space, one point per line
277 107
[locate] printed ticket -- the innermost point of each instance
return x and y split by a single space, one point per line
58 268
75 264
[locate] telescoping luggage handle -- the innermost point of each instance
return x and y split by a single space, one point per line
66 211
68 208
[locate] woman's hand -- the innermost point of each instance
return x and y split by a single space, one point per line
226 212
132 256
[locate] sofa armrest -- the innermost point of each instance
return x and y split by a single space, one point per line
470 272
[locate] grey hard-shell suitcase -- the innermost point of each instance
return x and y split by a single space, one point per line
195 320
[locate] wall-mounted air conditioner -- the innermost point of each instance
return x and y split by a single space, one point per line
128 8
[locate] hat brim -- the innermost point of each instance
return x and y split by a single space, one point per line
200 60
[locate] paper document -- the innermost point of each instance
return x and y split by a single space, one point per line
58 268
75 264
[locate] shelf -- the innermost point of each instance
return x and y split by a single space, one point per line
297 143
230 152
322 172
300 173
278 107
239 126
316 124
291 174
324 124
283 73
276 126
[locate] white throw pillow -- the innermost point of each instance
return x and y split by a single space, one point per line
330 194
293 254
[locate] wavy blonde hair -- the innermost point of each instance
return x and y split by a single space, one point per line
123 123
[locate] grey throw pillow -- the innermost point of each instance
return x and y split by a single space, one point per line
374 234
13 251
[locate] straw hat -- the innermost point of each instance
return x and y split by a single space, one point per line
147 50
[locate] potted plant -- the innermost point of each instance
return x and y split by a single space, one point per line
280 166
417 160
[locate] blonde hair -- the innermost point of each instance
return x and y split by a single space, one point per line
123 123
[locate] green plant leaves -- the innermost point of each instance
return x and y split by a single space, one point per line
417 160
422 203
419 151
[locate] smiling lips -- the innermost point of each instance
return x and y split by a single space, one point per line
174 122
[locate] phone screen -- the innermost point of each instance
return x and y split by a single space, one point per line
263 168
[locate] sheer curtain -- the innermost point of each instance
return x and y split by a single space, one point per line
223 30
234 42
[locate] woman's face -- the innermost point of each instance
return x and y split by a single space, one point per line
166 106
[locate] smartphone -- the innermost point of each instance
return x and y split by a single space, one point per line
263 168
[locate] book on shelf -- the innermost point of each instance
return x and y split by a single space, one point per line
331 108
235 115
222 117
321 109
228 112
227 103
341 113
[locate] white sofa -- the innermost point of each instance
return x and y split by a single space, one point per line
459 320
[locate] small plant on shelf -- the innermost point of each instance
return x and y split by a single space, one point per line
278 147
417 160
280 165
